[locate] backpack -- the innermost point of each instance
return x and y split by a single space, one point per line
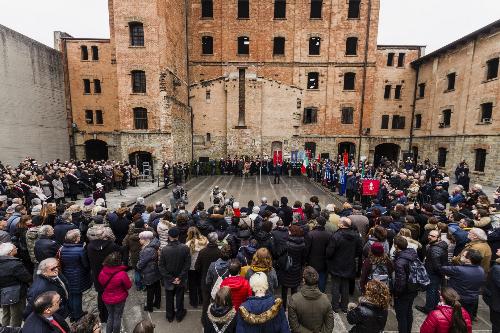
380 272
418 279
217 283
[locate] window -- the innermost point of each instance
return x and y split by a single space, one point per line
353 11
347 115
243 45
207 8
243 9
451 81
486 112
316 7
314 45
310 115
209 137
98 117
97 86
349 81
480 161
401 60
138 82
95 53
390 59
442 152
207 95
85 53
279 9
136 33
445 119
492 71
89 117
418 121
351 46
397 92
140 118
421 90
312 80
207 45
86 86
387 91
279 46
385 122
398 122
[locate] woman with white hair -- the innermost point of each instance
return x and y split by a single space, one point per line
261 312
147 266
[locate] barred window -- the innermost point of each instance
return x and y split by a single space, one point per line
136 33
480 161
138 82
347 115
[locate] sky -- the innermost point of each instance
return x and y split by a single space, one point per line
433 23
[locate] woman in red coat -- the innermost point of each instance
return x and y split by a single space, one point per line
449 317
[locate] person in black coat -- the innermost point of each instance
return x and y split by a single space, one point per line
344 246
285 212
45 245
264 237
62 226
45 317
491 294
316 243
221 313
120 226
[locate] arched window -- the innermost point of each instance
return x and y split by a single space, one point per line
136 33
138 82
140 118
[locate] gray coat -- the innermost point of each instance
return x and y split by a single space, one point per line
148 263
58 188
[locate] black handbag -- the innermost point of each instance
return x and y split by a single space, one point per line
10 295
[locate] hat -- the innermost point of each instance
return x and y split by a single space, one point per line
173 232
357 207
88 201
139 224
377 249
36 210
99 185
439 207
10 210
255 209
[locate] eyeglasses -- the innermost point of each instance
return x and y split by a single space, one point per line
54 268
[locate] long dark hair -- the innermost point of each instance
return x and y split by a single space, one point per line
451 298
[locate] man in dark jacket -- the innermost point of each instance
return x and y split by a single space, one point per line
13 273
175 260
45 245
403 296
316 244
344 247
45 317
285 212
491 295
467 279
436 257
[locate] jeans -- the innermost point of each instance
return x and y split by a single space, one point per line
432 292
340 292
194 286
153 295
115 313
12 315
284 294
75 306
179 311
403 306
322 281
103 311
471 308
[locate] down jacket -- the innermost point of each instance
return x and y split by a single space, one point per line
439 320
367 318
309 310
344 247
401 267
119 283
148 263
43 284
262 314
75 267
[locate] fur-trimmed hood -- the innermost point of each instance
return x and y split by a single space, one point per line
220 315
199 244
260 310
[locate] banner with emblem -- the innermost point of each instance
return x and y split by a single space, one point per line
371 187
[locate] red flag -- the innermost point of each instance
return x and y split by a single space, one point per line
346 158
371 187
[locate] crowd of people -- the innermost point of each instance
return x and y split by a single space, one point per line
233 260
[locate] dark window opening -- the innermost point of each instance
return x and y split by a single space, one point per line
97 86
314 45
349 81
387 91
140 118
397 92
310 115
207 45
209 137
85 53
316 8
421 90
418 121
98 117
492 72
351 46
442 152
390 59
138 82
279 9
486 112
279 46
207 8
445 120
136 33
480 161
207 95
241 96
86 86
95 53
385 122
398 122
243 9
401 60
347 115
312 80
243 45
353 11
451 81
89 117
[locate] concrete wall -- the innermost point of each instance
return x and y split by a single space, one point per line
32 100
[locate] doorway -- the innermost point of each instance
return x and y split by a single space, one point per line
96 150
142 159
386 152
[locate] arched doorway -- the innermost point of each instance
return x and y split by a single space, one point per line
311 147
348 147
388 151
139 158
96 150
